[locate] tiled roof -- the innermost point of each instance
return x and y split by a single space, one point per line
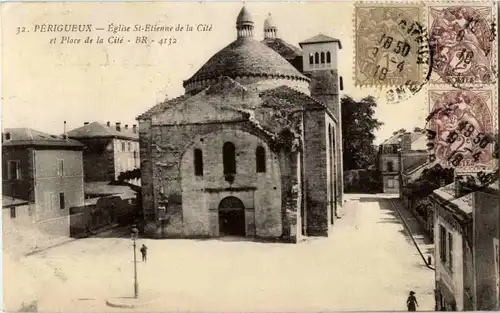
464 203
104 189
9 201
246 57
320 39
447 192
31 137
393 140
415 167
160 107
99 130
294 97
285 49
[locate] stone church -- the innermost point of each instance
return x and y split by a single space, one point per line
253 148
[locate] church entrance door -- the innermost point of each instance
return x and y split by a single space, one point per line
231 217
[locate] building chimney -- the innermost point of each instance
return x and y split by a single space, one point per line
118 127
406 141
134 128
86 123
65 135
126 126
108 124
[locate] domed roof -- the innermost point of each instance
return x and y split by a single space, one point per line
269 23
244 17
246 57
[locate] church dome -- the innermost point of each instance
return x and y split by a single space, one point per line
244 57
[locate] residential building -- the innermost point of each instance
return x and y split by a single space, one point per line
253 148
402 152
453 249
466 246
109 149
47 172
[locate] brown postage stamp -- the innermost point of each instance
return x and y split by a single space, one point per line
390 44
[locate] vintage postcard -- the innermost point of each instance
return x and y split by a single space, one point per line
250 156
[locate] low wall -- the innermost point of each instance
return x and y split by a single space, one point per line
362 181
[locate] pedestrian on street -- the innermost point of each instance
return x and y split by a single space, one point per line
144 252
411 302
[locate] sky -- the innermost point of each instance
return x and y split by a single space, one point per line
45 84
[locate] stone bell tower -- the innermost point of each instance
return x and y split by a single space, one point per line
323 134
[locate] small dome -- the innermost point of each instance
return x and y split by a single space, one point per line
269 23
244 17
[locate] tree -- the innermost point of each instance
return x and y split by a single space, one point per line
431 179
358 127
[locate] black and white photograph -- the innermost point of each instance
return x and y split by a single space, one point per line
253 156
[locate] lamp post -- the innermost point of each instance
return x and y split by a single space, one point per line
134 233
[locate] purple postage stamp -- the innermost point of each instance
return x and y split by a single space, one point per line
462 39
461 127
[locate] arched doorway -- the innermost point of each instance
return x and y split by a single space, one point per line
231 217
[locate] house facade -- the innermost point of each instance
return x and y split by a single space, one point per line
466 246
109 149
400 155
46 171
253 147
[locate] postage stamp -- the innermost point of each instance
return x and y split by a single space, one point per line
461 127
462 39
390 45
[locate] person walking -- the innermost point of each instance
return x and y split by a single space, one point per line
411 302
144 252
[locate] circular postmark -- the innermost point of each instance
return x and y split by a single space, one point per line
460 129
388 46
462 42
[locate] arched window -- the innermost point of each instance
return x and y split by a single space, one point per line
328 57
198 162
229 158
260 159
390 167
322 57
316 58
311 58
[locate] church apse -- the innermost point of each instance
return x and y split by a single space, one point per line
259 189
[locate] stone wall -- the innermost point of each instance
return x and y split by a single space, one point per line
316 173
260 192
485 218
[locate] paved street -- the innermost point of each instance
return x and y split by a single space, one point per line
368 263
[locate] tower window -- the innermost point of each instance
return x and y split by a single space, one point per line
322 57
328 57
311 58
316 58
229 158
198 162
341 83
260 159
